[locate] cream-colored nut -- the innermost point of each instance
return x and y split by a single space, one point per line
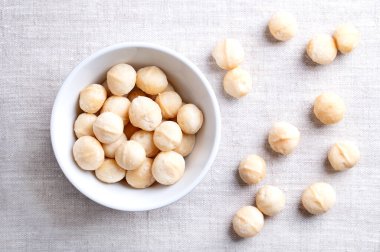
135 93
144 113
186 146
92 97
110 172
152 80
252 169
270 200
283 137
248 221
228 53
118 105
145 138
168 167
237 82
110 149
346 37
343 155
322 49
108 127
83 125
329 108
88 153
282 26
130 155
190 118
169 87
318 198
121 79
167 136
170 102
141 177
129 130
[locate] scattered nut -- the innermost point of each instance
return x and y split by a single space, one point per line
346 37
329 108
343 155
141 177
110 172
108 127
167 136
228 53
88 153
252 169
282 26
121 79
118 105
186 146
237 82
270 200
318 198
190 118
248 221
130 155
144 113
152 80
83 125
322 49
92 97
168 167
145 138
283 138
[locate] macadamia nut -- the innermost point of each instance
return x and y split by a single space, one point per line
130 155
248 221
118 105
168 167
169 102
343 155
152 80
228 53
190 118
83 125
167 136
346 37
108 127
282 26
88 153
318 198
110 172
121 79
270 200
110 149
283 138
144 113
145 138
186 146
136 92
141 177
329 108
237 82
252 169
322 49
92 97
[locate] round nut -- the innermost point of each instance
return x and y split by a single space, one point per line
118 105
322 49
282 26
186 146
152 80
283 138
169 102
88 153
237 82
145 138
329 108
228 53
144 113
121 79
343 155
346 37
252 169
83 125
141 177
248 221
190 118
270 200
130 155
110 172
110 149
167 136
92 97
318 198
168 167
108 127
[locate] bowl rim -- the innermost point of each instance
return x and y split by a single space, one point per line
179 57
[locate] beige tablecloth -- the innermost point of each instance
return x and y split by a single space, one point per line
41 42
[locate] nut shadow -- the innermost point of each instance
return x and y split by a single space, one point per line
303 211
234 237
269 37
314 119
307 61
238 178
269 150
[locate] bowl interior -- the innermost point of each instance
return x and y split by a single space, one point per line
188 82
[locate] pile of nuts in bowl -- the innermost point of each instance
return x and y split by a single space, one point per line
135 126
284 137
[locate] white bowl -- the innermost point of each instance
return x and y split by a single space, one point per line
188 81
